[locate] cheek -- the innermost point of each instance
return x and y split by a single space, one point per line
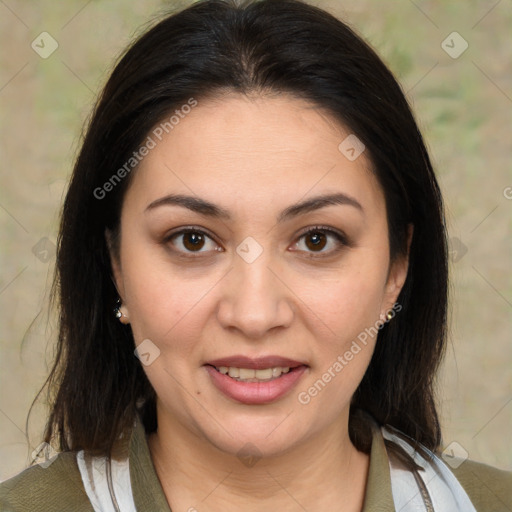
348 302
160 298
343 319
162 312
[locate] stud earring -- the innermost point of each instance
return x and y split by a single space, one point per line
120 315
117 309
390 315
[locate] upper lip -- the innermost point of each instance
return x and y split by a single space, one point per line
259 363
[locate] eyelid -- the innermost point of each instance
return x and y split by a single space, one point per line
326 229
187 229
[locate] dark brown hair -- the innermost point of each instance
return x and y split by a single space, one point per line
97 385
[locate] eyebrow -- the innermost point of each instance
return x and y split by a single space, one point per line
208 209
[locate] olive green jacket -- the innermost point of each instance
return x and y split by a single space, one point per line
59 488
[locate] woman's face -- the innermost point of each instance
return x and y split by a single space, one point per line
246 281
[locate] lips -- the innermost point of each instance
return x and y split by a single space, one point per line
259 363
256 393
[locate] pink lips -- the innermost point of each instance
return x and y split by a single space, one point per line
254 393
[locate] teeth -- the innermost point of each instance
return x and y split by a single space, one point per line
251 375
246 373
234 372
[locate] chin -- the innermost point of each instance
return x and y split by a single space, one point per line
250 441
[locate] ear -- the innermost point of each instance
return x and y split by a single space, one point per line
115 264
397 274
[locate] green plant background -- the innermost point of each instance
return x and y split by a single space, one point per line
463 106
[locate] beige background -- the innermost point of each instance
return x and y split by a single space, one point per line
464 107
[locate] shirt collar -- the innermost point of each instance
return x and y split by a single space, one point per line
148 494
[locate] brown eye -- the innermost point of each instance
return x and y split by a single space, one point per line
191 240
318 238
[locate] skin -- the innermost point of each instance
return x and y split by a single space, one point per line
255 156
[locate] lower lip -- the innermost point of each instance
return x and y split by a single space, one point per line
253 393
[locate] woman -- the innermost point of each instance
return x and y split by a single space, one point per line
252 277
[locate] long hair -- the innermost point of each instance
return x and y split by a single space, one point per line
96 385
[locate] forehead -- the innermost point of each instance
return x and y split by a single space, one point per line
256 150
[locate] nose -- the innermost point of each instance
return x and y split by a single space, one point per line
255 299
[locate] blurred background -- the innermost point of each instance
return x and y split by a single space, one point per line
453 60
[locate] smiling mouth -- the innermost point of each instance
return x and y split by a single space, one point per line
252 375
256 386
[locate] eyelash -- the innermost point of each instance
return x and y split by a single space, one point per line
341 240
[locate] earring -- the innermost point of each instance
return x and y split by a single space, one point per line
390 315
117 309
120 315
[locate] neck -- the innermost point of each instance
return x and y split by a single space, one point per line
326 472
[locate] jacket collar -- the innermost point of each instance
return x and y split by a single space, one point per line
148 494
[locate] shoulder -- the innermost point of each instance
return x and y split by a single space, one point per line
55 486
489 488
